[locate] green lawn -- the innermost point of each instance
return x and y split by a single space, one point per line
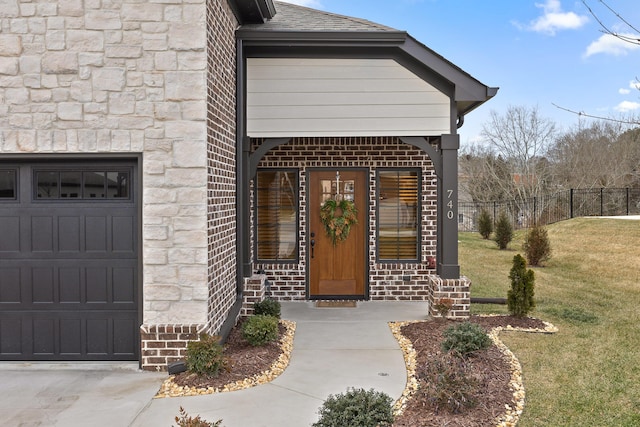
588 374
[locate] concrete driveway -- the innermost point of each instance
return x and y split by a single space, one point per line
78 394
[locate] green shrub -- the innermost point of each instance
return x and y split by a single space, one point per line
504 231
520 297
448 384
356 408
267 307
485 224
185 420
465 338
205 357
260 329
536 245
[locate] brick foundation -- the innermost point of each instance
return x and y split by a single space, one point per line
163 344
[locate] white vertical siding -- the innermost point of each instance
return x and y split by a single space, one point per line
288 97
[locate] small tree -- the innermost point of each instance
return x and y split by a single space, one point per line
520 297
536 245
485 224
504 231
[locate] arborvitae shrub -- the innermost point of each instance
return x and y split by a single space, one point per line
267 307
356 408
448 383
537 247
185 420
465 338
485 224
520 297
205 357
260 329
504 231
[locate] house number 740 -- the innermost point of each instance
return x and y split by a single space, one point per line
450 213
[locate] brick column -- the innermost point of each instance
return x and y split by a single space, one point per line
255 290
458 290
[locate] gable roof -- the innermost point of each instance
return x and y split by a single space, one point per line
301 30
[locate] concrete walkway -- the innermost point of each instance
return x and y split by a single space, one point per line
334 349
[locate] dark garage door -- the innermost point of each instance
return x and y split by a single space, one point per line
68 261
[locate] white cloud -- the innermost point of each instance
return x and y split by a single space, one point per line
554 19
627 106
633 85
307 3
611 45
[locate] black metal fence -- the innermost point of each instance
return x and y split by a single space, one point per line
553 208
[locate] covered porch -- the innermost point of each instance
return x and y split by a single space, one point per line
363 114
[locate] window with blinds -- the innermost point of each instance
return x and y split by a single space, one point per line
277 215
398 215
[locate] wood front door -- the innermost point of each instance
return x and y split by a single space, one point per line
337 271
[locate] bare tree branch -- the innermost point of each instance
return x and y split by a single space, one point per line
620 17
623 37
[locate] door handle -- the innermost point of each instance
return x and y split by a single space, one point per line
313 244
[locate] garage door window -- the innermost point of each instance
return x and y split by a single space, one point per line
82 185
7 184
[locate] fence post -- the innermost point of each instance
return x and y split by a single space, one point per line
601 201
571 203
495 219
627 200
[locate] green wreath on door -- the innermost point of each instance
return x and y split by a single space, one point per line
338 227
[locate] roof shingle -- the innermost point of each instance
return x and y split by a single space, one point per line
290 17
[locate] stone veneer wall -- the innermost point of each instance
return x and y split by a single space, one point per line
386 280
167 343
124 76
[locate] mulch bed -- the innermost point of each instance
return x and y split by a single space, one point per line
244 359
491 369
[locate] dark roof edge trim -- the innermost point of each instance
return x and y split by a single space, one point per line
292 38
468 88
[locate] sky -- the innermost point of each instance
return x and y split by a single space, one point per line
539 53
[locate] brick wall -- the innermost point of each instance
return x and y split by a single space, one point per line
221 159
397 281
